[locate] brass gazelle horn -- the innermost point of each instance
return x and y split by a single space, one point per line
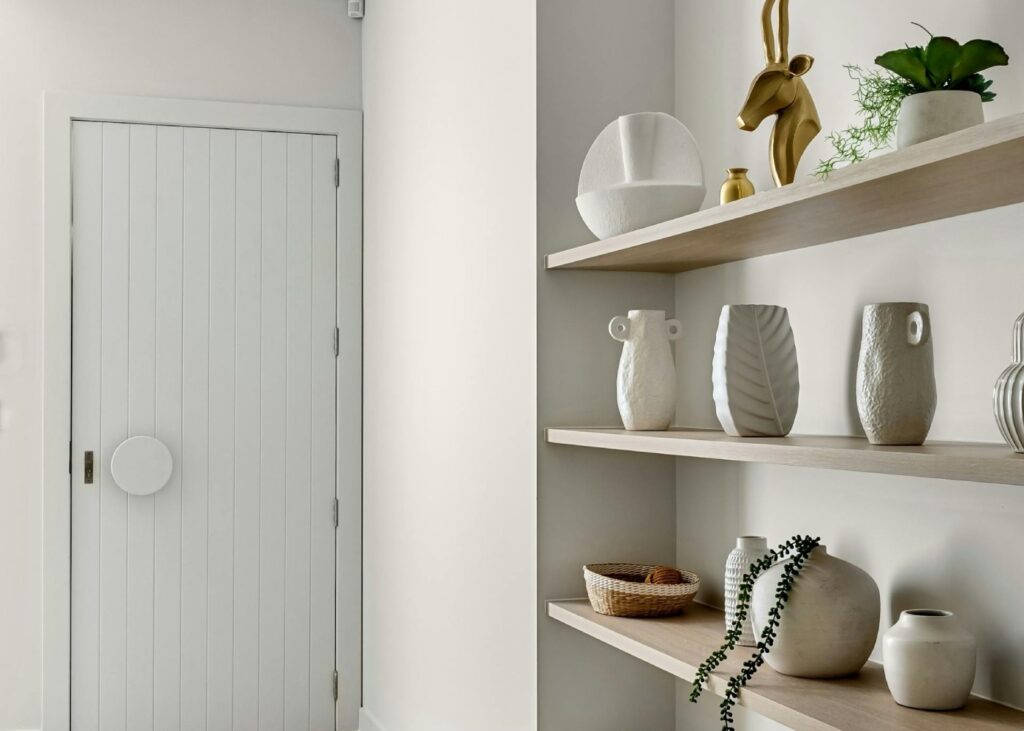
769 33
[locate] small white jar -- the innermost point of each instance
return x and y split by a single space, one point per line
929 660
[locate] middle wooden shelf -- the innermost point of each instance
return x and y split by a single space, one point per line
972 462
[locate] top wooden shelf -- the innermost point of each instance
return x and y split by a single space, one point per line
973 170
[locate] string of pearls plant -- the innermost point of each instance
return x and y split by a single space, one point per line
798 548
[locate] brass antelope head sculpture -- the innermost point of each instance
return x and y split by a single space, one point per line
780 90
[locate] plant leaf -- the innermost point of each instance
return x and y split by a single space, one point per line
978 55
940 57
908 63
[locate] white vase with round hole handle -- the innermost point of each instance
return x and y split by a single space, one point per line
896 373
646 382
929 660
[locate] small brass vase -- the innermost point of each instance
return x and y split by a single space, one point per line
736 186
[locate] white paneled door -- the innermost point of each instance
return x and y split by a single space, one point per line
204 317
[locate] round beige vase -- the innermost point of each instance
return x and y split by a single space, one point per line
830 622
937 113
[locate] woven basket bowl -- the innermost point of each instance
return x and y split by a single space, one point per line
617 589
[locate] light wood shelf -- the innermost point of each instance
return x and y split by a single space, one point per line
678 645
995 463
973 170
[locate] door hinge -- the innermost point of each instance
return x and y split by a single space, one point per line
356 9
335 685
71 457
337 342
337 512
337 172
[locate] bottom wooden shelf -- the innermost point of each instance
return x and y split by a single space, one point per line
678 645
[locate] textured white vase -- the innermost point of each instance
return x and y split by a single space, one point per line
896 373
929 660
641 170
937 113
754 374
830 622
646 383
1008 395
748 550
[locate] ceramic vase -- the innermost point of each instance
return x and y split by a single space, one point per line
748 550
646 383
641 170
736 186
830 622
895 373
929 660
936 113
754 374
1008 395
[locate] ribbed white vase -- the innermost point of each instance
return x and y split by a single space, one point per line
748 550
1008 395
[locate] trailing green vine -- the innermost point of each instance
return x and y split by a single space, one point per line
879 95
798 548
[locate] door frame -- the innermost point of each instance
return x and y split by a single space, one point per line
60 110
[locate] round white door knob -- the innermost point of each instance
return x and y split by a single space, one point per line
141 465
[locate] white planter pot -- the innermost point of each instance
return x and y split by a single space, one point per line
830 622
748 550
929 660
646 384
896 373
937 113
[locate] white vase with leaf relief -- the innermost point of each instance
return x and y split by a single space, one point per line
646 383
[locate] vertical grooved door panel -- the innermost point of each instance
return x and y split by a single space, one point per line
204 291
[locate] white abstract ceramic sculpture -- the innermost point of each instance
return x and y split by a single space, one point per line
830 623
896 373
1008 395
748 550
646 383
929 660
936 113
754 374
641 170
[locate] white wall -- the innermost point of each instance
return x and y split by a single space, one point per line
926 542
301 52
450 322
597 59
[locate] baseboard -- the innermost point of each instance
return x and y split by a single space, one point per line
367 722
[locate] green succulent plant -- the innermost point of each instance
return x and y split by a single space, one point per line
945 64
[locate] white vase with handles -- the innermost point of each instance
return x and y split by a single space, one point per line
929 660
646 384
748 550
1008 395
896 373
830 622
